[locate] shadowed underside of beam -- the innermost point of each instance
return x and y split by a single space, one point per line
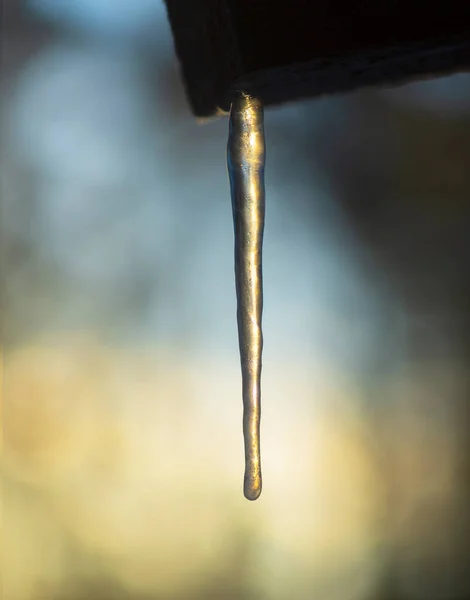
287 50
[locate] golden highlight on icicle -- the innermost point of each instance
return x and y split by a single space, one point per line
246 159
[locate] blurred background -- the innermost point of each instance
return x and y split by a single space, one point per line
122 454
